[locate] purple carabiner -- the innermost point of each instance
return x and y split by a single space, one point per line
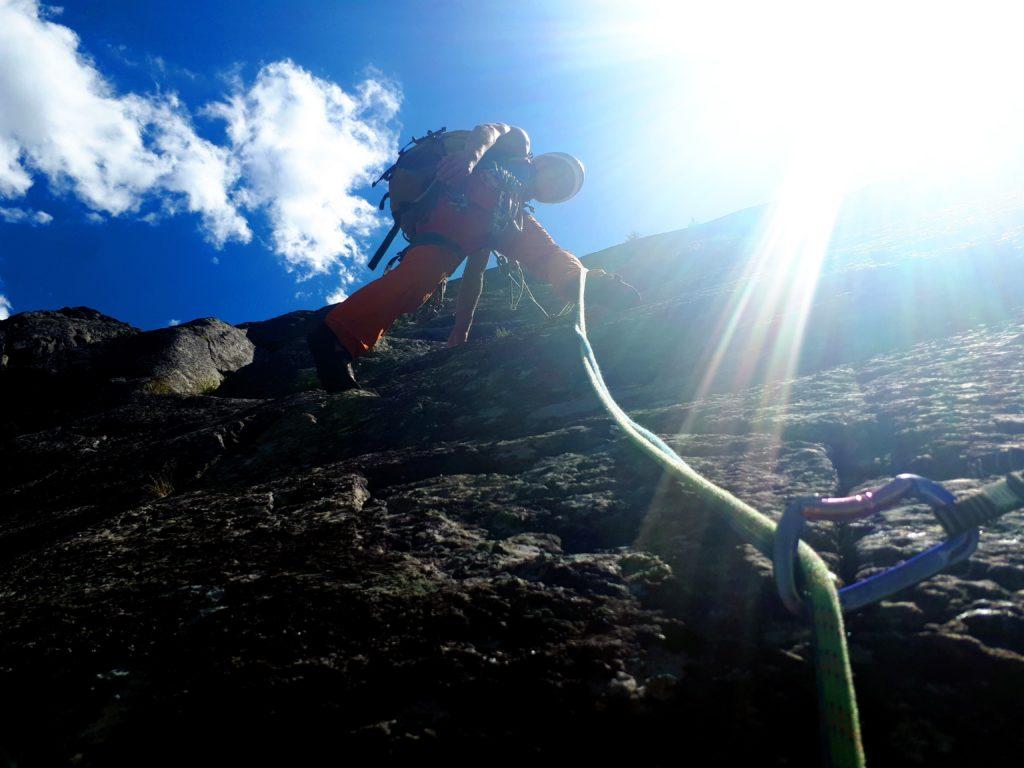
856 507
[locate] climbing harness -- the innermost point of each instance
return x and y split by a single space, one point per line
840 725
816 596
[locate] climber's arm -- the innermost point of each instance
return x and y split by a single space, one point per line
457 166
470 288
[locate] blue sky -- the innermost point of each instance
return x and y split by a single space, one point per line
172 160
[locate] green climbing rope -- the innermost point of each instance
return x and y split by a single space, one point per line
840 726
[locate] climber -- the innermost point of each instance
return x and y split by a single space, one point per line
458 195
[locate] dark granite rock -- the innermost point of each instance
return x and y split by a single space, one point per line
52 340
187 359
467 562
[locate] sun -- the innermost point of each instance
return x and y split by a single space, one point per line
834 96
882 88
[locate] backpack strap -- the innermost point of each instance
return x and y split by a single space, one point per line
383 248
425 200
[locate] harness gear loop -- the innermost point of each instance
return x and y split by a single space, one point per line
923 566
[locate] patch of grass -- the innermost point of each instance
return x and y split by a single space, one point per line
158 387
161 484
209 388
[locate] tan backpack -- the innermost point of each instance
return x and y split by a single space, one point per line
410 180
411 185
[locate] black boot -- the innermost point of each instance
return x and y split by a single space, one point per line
333 362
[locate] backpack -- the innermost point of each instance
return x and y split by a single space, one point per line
410 175
412 190
409 179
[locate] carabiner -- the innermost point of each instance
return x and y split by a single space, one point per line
881 585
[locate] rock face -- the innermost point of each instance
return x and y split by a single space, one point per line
187 359
60 364
208 560
51 341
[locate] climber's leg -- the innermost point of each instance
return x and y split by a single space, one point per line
361 319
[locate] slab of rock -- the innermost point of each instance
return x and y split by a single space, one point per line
52 340
188 359
470 562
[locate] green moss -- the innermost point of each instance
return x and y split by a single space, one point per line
642 566
166 386
404 585
306 380
159 387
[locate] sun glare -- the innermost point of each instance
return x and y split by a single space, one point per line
891 87
841 95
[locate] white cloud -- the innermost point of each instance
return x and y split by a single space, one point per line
200 171
173 322
337 296
60 118
298 146
5 308
24 216
303 145
14 181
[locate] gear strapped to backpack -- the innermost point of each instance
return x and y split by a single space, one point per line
414 191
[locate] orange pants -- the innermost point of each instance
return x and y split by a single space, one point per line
363 317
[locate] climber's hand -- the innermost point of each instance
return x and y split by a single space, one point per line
456 167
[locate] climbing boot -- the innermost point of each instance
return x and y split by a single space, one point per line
608 292
333 362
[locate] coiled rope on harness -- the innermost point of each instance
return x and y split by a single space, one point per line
840 725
